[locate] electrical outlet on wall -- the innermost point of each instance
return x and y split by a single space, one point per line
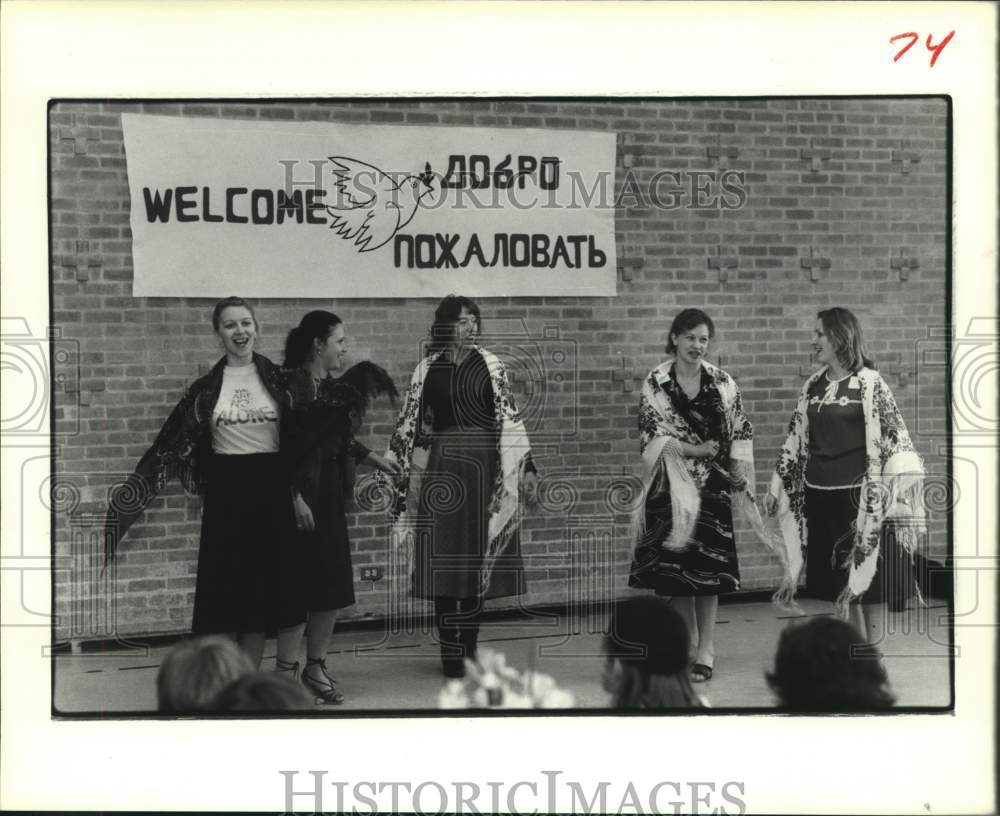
371 573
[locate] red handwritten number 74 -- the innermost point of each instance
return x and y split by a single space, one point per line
913 37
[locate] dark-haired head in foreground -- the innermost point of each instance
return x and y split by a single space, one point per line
826 665
647 656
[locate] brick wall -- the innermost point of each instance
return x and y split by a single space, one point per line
854 182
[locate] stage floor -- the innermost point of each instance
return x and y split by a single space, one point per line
401 672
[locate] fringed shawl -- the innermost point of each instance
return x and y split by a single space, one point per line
410 443
891 488
184 443
662 428
320 420
180 451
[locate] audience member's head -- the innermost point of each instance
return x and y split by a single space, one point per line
196 670
265 691
825 664
647 656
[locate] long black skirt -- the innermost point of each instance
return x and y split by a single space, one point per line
708 566
453 522
250 556
329 576
831 519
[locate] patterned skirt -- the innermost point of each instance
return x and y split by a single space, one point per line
708 566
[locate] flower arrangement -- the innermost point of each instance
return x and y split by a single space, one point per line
491 683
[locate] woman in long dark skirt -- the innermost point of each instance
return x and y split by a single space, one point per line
222 442
460 428
697 448
318 444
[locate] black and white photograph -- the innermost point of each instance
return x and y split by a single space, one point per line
377 415
341 395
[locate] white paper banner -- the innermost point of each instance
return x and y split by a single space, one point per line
315 210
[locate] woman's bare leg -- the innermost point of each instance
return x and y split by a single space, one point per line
253 644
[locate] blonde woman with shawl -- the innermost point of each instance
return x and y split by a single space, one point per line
697 451
465 462
846 467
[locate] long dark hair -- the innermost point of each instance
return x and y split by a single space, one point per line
224 304
314 326
818 667
446 316
685 321
844 331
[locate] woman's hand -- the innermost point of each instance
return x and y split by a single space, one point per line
303 515
707 450
739 475
770 504
529 488
388 466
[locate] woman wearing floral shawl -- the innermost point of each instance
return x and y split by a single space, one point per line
697 452
846 467
465 461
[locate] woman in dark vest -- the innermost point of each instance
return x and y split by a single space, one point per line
846 468
460 427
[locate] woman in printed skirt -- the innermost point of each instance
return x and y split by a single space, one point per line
697 451
459 431
846 468
318 445
222 442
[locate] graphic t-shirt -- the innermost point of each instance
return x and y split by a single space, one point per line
245 418
837 451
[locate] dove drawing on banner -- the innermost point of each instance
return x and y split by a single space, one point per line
372 206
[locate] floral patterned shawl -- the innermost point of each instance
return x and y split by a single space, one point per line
410 446
891 488
662 428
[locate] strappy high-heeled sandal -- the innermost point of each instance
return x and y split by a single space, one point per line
326 688
701 673
285 667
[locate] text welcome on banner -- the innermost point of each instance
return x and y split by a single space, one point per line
316 210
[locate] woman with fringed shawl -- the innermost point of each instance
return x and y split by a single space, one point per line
322 453
846 468
465 461
223 441
697 452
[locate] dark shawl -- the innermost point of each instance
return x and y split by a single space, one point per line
320 421
184 443
180 451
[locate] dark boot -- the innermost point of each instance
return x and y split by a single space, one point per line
468 626
449 637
